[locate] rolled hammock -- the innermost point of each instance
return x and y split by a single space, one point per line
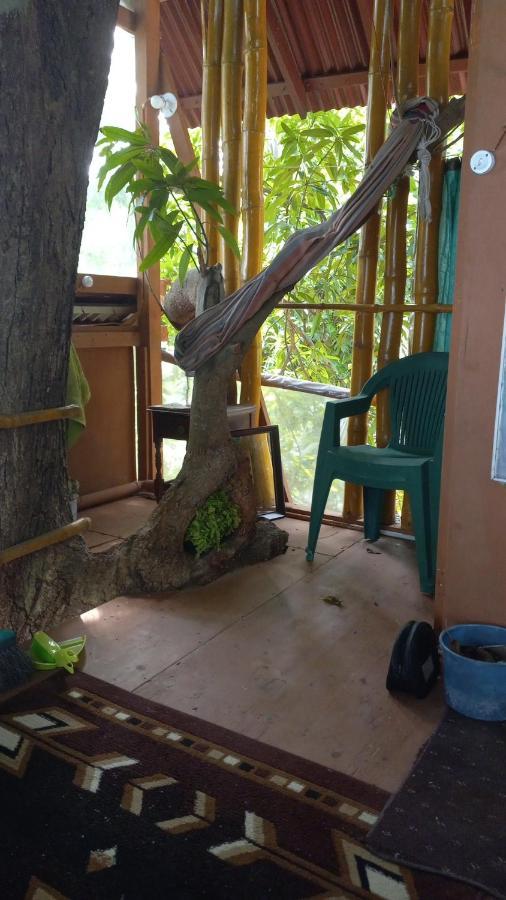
219 326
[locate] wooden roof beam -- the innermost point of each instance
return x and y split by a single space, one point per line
365 12
319 83
282 53
178 124
127 18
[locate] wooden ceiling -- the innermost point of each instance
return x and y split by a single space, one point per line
318 52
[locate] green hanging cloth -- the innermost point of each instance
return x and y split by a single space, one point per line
447 252
78 393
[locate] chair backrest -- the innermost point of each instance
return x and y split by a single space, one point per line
417 393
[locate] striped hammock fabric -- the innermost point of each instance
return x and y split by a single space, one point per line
217 327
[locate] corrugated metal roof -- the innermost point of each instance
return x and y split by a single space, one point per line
318 52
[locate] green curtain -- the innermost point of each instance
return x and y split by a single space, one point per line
447 251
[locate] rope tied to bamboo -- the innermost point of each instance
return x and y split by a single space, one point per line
431 133
424 157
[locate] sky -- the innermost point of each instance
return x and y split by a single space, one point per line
106 246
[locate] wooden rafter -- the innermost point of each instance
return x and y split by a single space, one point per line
321 83
280 48
126 19
178 124
365 12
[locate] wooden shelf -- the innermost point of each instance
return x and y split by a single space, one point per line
86 337
97 336
107 285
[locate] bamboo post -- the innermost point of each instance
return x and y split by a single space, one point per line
255 111
369 238
212 32
395 235
231 139
438 71
148 357
426 286
231 124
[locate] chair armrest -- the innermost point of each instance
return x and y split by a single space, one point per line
352 406
335 410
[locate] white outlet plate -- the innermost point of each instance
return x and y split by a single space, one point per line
482 162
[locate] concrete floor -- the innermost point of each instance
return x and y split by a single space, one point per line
263 652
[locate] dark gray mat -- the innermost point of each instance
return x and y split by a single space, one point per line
450 815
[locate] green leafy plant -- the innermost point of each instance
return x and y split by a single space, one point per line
164 195
311 167
213 522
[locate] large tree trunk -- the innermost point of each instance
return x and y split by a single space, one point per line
39 590
53 75
54 65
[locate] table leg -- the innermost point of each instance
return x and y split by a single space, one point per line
277 470
158 485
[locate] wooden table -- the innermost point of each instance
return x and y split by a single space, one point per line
173 422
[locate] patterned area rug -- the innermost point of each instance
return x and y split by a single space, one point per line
450 815
107 796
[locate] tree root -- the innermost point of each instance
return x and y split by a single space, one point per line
66 580
38 591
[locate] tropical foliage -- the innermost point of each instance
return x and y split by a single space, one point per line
312 167
164 195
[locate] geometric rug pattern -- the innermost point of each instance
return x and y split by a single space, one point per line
107 796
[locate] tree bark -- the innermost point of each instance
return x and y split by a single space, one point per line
54 64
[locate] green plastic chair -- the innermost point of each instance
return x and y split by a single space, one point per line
411 461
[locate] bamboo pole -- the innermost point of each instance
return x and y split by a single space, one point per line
426 285
404 308
44 540
369 237
395 235
148 359
212 32
255 111
231 124
39 416
438 71
231 139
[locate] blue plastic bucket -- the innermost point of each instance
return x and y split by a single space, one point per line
474 688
